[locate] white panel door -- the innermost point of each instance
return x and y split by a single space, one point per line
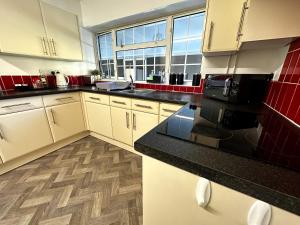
23 132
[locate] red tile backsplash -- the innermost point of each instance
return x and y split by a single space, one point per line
284 94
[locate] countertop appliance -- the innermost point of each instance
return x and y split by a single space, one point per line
243 130
237 88
61 80
90 79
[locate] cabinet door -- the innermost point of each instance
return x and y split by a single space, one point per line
121 125
23 132
271 19
169 198
63 32
21 27
65 120
162 118
222 25
142 123
99 118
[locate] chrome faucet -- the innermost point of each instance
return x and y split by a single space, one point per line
131 84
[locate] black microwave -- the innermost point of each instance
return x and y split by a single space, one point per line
237 88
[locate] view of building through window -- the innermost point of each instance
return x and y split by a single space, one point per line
142 50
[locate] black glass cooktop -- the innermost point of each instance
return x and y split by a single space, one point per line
255 132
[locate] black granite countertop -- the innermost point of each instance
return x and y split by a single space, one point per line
170 97
277 185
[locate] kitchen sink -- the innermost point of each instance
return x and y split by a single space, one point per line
138 91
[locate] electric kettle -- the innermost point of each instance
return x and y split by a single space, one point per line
61 80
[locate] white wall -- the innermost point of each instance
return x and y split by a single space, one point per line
247 61
20 65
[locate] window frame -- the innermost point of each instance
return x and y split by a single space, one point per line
167 42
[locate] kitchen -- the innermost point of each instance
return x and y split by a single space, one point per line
150 112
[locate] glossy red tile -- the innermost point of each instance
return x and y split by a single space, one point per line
294 105
297 117
281 95
288 91
182 89
291 67
164 88
190 89
285 66
27 80
8 82
170 88
270 93
1 84
176 88
197 90
275 95
295 45
17 79
296 73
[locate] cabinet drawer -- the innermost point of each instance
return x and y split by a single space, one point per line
20 104
58 99
167 109
96 98
120 102
145 106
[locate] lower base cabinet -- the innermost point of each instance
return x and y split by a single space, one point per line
121 125
65 120
23 132
142 123
169 198
99 118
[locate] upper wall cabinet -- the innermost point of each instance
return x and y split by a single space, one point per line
35 28
63 33
21 28
223 23
270 22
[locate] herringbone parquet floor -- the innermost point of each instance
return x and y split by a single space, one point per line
87 182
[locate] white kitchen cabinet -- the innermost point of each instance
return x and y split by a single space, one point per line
169 198
21 28
142 123
224 21
99 118
121 125
63 33
65 120
271 19
23 132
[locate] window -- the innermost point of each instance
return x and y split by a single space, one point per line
140 63
106 62
141 34
187 41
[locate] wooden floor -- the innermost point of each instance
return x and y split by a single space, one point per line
87 182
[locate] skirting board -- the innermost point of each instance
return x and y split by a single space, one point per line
116 143
40 152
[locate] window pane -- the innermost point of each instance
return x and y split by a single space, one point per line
120 72
190 70
194 59
129 36
196 25
161 31
139 73
139 34
112 70
194 46
150 70
177 69
181 27
150 32
160 60
159 69
106 54
179 59
179 48
120 38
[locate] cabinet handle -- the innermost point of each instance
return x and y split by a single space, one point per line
1 135
169 110
127 120
211 27
53 46
239 33
52 114
44 46
117 102
134 121
22 104
143 106
65 98
95 98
